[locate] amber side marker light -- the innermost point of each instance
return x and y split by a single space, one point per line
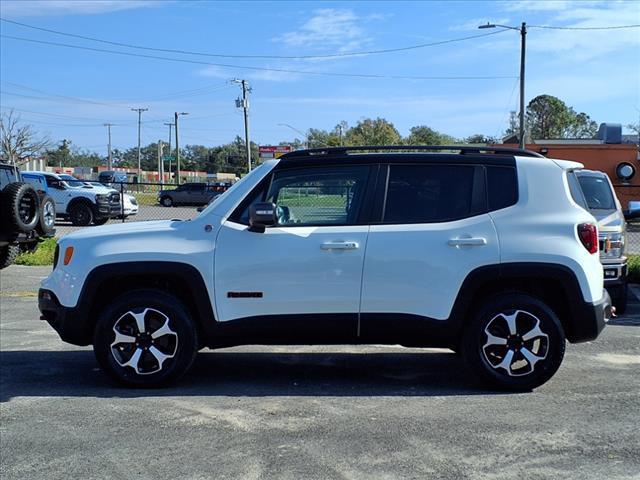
68 253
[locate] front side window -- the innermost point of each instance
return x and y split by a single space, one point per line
430 193
312 196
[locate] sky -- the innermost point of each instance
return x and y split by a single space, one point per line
72 92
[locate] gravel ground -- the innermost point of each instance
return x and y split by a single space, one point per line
310 412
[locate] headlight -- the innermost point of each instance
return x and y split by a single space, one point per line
102 197
612 245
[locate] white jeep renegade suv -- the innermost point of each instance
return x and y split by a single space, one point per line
482 250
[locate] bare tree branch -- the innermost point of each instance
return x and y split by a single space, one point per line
18 141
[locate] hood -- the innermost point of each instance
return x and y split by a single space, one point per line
123 229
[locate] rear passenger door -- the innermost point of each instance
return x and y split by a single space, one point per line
433 229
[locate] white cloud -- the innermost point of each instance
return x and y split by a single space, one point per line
34 8
331 27
541 6
259 75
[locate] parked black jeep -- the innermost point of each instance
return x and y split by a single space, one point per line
23 224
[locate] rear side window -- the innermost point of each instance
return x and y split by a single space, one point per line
502 187
597 192
431 193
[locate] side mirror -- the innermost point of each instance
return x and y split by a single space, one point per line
262 215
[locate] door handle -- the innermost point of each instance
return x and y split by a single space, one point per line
467 242
339 246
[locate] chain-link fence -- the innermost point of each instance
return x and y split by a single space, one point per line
627 194
140 202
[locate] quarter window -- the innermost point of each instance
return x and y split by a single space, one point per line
430 193
502 186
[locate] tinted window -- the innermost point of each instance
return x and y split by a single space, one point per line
318 196
576 190
597 192
429 193
502 187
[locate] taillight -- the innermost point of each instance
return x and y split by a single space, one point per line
588 234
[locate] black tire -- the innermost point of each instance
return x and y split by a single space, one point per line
20 207
160 308
8 255
166 201
100 221
619 296
81 214
47 220
493 363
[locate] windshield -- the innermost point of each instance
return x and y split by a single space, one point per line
71 181
597 193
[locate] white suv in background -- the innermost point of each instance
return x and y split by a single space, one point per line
482 250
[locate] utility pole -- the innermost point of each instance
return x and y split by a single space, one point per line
175 122
139 110
170 125
244 103
523 43
109 159
340 130
523 36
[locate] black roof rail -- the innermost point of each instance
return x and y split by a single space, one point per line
461 149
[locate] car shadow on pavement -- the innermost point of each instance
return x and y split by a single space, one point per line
219 373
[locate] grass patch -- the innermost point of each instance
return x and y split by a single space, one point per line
41 257
634 268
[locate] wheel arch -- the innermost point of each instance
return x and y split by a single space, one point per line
554 284
106 282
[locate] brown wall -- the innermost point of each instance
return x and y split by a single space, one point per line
603 157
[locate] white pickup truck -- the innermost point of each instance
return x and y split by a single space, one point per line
80 203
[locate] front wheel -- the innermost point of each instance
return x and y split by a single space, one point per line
619 297
100 221
80 215
166 201
515 342
146 338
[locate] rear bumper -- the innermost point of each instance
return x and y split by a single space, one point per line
65 321
589 319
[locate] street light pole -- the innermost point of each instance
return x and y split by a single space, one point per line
175 123
304 135
523 35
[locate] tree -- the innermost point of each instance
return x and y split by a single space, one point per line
19 142
549 117
479 138
373 132
423 135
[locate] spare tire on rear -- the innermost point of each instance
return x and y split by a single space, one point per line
20 207
47 220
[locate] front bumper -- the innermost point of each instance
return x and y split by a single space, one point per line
64 320
589 319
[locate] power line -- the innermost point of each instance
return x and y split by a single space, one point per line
611 27
263 69
269 57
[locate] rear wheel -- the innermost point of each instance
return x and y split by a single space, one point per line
47 219
619 295
8 255
81 214
146 338
515 342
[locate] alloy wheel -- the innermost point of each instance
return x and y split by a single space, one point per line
515 343
144 340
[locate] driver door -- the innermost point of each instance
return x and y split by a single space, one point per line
307 269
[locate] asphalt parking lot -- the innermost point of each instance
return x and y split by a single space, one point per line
310 412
